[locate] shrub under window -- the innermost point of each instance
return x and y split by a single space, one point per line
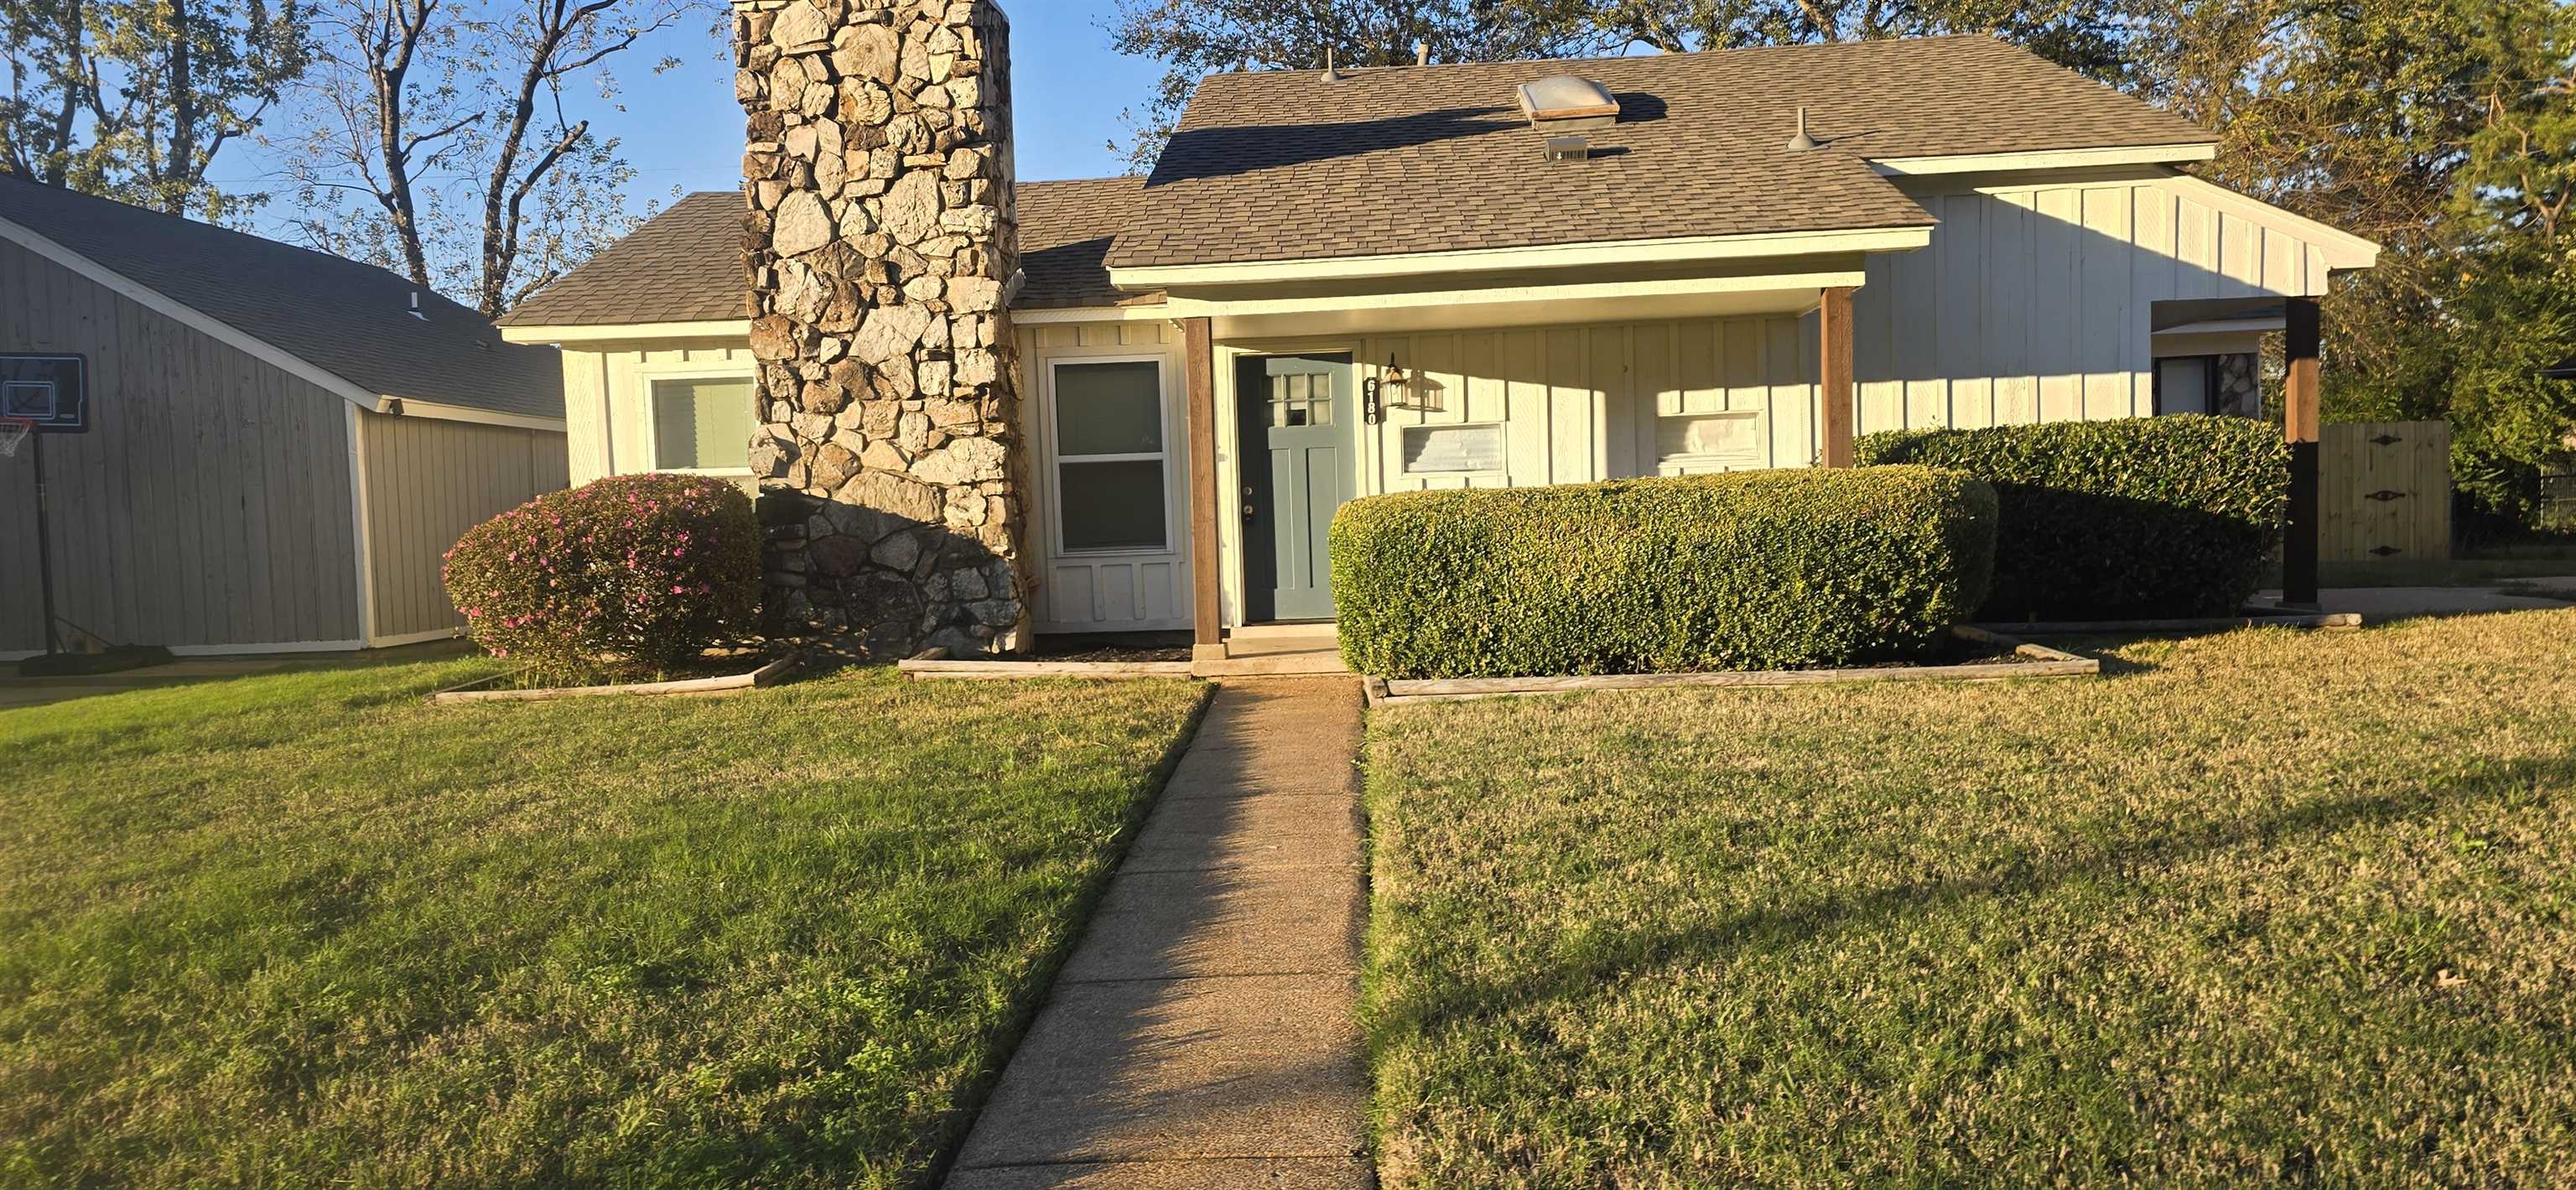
2136 518
622 578
1753 570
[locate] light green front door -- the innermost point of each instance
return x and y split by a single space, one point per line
1295 416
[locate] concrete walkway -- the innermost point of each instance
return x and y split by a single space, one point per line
1204 1034
2379 604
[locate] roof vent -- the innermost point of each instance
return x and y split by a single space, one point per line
1802 142
415 307
1565 101
1569 148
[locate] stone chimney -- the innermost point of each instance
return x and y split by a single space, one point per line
880 244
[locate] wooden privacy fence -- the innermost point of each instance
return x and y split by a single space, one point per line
2385 491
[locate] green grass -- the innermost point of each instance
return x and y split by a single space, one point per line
2256 908
306 930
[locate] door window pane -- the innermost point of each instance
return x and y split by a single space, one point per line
1113 506
1305 399
703 425
1109 409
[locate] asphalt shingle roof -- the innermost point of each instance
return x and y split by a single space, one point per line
349 319
1284 165
1289 165
685 264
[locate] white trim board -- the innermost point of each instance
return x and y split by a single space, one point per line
482 417
361 543
733 328
2047 159
1492 260
226 333
1186 307
416 638
2342 249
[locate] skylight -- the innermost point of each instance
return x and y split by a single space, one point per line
1568 102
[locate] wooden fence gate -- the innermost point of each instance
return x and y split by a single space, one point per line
2385 491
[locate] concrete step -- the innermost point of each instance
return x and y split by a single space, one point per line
1268 664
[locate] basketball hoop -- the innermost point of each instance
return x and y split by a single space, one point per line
14 432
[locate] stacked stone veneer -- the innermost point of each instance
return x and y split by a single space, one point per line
879 243
2240 385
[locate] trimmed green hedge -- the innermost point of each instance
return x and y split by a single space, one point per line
2138 518
1756 570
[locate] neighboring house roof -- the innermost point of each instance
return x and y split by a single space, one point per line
685 264
2565 370
348 319
1291 165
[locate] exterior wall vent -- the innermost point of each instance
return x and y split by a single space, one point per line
1566 102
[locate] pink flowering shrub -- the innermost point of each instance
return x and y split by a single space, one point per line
621 578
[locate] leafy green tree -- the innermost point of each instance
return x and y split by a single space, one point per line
2442 129
2087 35
134 99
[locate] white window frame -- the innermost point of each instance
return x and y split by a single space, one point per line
1056 458
652 378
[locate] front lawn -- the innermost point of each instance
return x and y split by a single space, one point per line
306 930
2260 907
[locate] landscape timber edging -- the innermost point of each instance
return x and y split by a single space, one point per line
2250 618
934 663
2045 663
474 691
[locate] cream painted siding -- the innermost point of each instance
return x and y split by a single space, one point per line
1126 591
2034 302
207 508
1581 403
608 396
427 483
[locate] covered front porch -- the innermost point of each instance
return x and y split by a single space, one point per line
1303 392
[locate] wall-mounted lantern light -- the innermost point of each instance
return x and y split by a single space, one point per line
1383 391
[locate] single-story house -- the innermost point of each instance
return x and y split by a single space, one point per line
252 447
1335 284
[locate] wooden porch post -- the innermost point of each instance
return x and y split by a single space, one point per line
1205 591
1834 319
2300 422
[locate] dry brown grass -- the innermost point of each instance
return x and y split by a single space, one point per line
2261 907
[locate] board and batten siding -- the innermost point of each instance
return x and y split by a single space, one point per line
1124 591
2035 302
427 483
208 507
1580 403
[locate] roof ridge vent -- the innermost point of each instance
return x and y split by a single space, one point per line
1564 102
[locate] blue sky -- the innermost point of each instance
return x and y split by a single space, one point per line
683 128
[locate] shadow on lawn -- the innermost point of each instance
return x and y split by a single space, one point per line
1776 929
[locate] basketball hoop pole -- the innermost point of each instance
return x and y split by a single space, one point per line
44 543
